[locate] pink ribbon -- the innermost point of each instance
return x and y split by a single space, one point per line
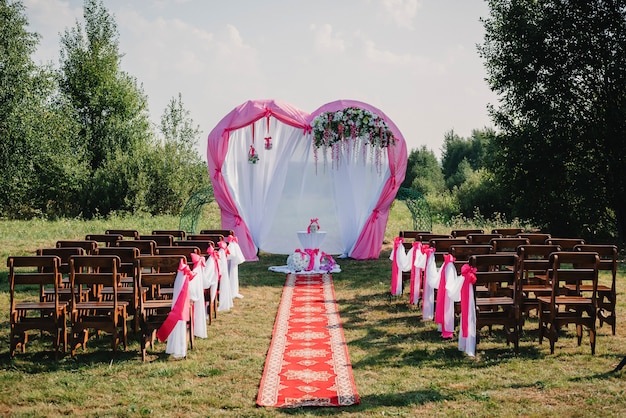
441 297
197 260
416 274
180 310
395 281
469 273
312 254
224 246
216 258
232 238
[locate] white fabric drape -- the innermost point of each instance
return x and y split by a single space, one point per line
285 189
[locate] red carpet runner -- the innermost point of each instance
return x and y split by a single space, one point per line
308 363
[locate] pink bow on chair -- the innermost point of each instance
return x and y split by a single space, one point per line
180 310
469 273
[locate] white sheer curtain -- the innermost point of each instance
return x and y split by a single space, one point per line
286 188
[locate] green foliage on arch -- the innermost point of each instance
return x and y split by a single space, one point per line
193 210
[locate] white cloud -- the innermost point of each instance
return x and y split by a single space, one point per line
402 12
327 42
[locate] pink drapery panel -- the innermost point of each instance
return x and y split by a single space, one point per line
240 117
369 243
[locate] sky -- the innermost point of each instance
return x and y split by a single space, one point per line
415 60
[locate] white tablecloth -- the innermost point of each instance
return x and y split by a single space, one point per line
311 240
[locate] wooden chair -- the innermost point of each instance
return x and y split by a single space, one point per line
534 263
607 295
507 245
34 314
561 307
107 240
126 290
97 272
224 232
507 232
535 238
497 302
64 292
88 245
159 239
482 238
463 233
155 272
566 244
126 233
145 247
176 233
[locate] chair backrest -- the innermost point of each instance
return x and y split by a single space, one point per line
224 232
127 256
146 247
574 268
126 233
412 234
497 273
535 238
176 233
159 239
64 253
206 237
202 244
88 245
155 272
94 272
179 250
462 252
607 254
460 233
482 238
535 259
507 245
107 239
566 244
507 232
426 237
42 270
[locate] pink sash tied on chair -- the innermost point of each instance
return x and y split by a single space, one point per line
418 264
431 279
444 308
396 270
467 339
175 325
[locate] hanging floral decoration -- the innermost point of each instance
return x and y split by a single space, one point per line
253 157
344 130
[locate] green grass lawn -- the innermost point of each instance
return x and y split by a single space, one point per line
401 365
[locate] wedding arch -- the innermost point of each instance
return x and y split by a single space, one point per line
274 168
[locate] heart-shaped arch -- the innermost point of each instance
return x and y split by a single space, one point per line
270 180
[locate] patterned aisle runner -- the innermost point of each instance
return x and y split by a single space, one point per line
308 363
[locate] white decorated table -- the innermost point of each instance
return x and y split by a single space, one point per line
311 240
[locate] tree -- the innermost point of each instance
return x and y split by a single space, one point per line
457 149
175 167
39 175
559 67
424 172
111 108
